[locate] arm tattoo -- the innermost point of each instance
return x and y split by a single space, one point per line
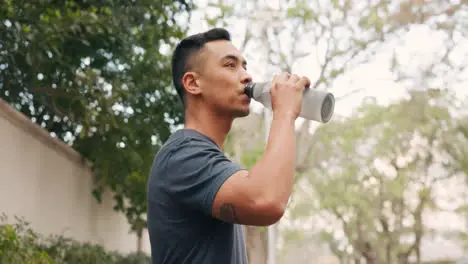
227 213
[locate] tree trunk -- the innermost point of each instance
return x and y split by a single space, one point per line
372 259
370 254
256 242
139 241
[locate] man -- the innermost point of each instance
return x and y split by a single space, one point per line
197 198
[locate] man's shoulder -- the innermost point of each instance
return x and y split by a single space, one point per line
186 140
185 145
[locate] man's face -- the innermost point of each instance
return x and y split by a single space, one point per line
222 79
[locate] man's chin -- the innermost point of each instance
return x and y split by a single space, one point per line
242 113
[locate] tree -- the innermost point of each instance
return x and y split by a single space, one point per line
460 152
376 176
339 34
96 75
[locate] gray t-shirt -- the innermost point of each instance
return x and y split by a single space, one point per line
186 175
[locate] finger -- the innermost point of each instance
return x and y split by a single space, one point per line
283 77
275 78
294 78
303 82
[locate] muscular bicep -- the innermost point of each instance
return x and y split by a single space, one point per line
237 201
200 177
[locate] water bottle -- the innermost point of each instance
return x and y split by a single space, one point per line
316 105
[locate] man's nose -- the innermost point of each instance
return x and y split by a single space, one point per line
246 78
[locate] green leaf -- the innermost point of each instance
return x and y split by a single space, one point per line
95 94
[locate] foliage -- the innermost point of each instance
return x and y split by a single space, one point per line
20 244
460 152
96 75
331 38
440 262
377 175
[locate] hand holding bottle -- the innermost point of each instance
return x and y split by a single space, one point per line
317 105
286 94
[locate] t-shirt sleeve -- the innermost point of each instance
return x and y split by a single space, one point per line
195 170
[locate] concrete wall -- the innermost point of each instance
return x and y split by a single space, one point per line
46 182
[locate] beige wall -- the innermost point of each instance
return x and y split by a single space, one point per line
44 181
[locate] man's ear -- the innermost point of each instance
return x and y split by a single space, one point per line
190 83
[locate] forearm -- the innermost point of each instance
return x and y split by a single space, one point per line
274 173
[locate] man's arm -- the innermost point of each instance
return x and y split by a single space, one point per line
259 197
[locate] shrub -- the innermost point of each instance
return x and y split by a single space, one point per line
19 244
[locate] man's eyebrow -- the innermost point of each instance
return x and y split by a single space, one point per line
235 58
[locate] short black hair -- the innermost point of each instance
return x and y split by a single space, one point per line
187 49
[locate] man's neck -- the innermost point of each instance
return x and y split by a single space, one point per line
211 125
